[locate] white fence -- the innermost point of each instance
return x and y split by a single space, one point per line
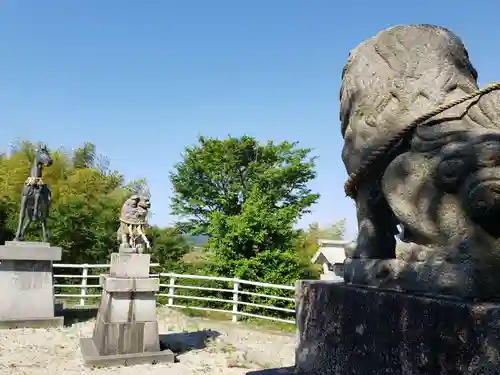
168 290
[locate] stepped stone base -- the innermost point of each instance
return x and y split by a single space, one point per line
126 329
345 330
91 356
27 297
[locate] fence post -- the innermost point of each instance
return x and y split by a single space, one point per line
236 284
171 291
83 290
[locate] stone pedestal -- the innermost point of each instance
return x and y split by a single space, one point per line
126 329
345 329
429 277
26 282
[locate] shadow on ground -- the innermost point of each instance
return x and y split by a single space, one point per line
274 371
179 343
183 342
74 315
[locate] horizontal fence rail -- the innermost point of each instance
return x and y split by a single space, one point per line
232 296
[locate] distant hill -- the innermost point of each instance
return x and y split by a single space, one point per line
196 241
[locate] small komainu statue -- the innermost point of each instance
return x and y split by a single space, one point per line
133 220
422 150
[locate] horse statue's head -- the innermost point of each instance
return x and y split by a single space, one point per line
42 156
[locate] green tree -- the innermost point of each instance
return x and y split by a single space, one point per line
261 226
168 247
85 157
246 196
258 245
86 201
217 176
138 186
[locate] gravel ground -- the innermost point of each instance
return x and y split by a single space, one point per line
203 347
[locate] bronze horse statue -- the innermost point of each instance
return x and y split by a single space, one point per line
35 197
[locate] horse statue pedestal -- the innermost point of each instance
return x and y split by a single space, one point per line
126 329
351 329
27 297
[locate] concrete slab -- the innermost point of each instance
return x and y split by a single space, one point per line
344 329
26 289
92 358
55 322
117 284
126 249
21 250
129 265
27 243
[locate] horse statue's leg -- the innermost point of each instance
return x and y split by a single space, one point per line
25 227
22 215
45 232
36 202
44 206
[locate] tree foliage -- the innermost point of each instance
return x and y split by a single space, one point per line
218 176
87 198
246 196
168 247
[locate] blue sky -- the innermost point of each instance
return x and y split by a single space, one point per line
142 79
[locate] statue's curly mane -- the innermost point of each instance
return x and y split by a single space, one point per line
400 74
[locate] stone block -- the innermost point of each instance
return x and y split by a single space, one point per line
331 276
126 307
126 323
129 265
27 290
27 243
118 338
346 329
437 277
23 250
27 298
118 284
126 328
91 356
127 249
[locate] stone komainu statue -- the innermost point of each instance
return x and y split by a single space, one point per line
441 180
133 219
